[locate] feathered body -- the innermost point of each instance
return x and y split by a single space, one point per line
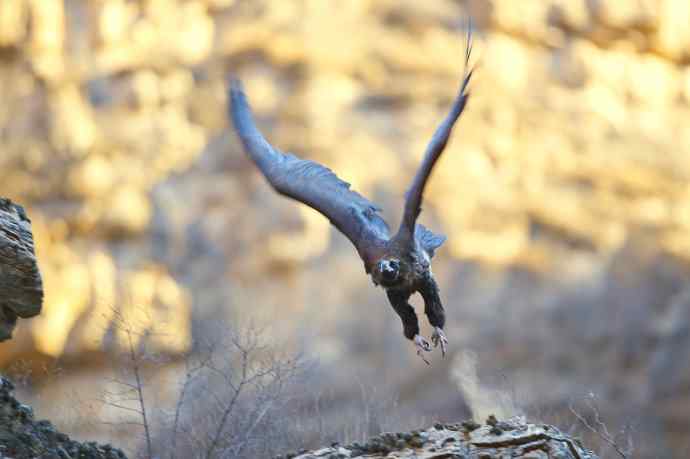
400 263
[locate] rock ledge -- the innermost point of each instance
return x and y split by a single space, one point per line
513 438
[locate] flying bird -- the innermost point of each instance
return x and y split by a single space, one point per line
400 263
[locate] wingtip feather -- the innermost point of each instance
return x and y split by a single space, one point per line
235 84
236 90
469 69
237 100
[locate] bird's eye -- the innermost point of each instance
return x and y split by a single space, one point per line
389 269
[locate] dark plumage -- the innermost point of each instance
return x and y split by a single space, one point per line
401 263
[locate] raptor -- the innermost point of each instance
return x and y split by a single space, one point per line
400 262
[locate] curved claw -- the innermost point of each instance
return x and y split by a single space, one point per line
421 343
440 338
422 346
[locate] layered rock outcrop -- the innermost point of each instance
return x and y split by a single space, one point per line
20 278
468 440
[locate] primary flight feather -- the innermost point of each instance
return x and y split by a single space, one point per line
399 263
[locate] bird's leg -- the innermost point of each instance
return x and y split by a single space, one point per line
434 311
398 300
439 337
422 346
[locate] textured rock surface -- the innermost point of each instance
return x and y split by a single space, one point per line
513 438
20 278
24 437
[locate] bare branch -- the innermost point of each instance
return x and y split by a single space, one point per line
599 428
229 408
140 392
189 376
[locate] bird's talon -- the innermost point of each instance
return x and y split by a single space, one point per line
419 353
421 343
440 338
422 346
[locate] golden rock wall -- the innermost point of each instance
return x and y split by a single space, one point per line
576 134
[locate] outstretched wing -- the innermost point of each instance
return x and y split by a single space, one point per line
413 200
309 182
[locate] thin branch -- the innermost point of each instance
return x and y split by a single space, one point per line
189 376
229 408
600 430
250 430
122 423
140 393
124 408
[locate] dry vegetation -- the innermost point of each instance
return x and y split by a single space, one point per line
565 195
235 396
230 402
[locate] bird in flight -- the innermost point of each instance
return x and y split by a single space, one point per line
400 263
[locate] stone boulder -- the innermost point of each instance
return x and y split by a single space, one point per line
513 438
20 279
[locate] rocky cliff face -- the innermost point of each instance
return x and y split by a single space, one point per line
20 279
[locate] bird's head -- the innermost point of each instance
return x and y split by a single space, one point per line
387 271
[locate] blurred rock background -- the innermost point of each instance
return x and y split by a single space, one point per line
565 194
